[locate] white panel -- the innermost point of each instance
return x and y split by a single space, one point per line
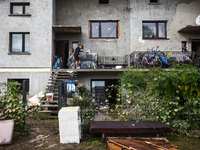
69 125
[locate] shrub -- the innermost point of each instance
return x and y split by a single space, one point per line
11 101
172 97
86 106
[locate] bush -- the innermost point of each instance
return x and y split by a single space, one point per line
11 101
176 96
86 106
172 97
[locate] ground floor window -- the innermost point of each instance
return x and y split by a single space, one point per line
21 81
100 94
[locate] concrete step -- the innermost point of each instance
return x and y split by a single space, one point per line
50 102
49 111
48 105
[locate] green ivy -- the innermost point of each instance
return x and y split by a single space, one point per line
11 101
84 100
172 97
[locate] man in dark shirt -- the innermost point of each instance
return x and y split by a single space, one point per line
77 55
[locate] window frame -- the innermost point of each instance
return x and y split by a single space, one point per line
20 81
107 82
100 36
23 4
23 43
78 42
157 29
153 2
103 3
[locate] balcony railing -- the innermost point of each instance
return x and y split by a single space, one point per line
110 62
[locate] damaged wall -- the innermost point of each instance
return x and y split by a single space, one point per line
177 13
79 13
39 25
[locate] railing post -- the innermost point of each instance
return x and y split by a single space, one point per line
59 95
24 92
65 94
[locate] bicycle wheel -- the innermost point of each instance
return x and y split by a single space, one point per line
137 64
157 63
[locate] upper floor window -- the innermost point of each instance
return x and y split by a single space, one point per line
104 29
154 29
103 1
20 8
153 1
19 42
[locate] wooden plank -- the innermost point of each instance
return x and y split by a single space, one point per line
143 143
138 127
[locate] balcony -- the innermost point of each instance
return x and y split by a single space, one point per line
93 63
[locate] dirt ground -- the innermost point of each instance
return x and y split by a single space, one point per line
43 134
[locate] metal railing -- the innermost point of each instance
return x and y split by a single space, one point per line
62 94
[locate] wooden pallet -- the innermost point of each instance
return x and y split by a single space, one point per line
140 144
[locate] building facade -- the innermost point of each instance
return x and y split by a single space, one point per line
35 33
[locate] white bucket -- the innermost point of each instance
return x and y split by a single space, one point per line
49 96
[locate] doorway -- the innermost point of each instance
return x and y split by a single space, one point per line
196 46
101 94
62 52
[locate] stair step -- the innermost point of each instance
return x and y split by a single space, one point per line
53 117
48 105
49 111
54 101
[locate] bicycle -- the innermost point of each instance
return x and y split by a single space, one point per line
149 61
196 59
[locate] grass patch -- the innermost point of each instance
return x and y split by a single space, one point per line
92 142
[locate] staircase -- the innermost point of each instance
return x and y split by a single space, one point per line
51 107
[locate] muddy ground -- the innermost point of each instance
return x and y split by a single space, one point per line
43 134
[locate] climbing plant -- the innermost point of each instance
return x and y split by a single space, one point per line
11 101
172 97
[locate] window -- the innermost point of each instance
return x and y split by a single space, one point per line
104 29
184 45
153 1
19 8
154 29
103 1
100 94
75 45
19 42
21 82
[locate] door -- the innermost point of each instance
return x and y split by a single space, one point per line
196 46
196 54
62 52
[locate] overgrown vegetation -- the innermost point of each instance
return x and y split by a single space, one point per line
84 100
11 101
172 97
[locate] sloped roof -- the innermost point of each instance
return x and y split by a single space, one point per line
190 29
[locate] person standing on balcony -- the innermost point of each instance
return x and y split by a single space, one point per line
77 55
